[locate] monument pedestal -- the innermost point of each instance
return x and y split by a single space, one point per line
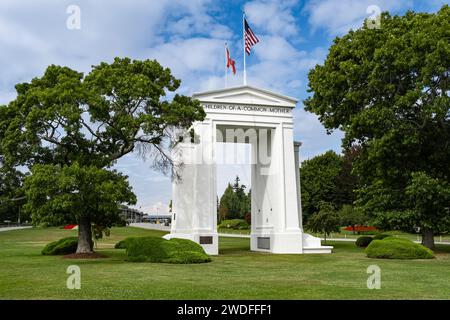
283 242
209 241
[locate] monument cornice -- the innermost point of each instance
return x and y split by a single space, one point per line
245 107
245 95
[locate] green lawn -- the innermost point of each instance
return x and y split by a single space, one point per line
236 273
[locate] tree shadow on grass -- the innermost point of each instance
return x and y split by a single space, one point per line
442 249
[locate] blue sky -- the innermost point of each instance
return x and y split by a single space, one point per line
188 36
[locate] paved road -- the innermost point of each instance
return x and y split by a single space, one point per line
13 228
152 226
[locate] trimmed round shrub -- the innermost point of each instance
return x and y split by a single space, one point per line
397 248
122 244
380 236
61 246
185 257
152 249
392 238
363 242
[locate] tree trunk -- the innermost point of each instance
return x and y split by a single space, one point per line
85 244
428 239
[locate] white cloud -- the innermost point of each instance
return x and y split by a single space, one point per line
339 16
277 48
188 57
281 73
34 35
312 134
273 17
155 208
197 22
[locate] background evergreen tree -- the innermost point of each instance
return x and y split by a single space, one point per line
234 203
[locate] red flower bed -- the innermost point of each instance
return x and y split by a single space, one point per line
70 226
361 228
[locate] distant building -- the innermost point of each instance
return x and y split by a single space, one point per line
131 215
158 218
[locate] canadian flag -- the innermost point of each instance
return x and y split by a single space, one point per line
230 62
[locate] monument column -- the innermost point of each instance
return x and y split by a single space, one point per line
205 207
287 238
194 196
182 192
297 145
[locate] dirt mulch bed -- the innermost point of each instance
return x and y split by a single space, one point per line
93 255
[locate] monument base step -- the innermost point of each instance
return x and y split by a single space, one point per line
313 244
321 249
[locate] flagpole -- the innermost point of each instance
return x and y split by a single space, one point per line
226 66
243 42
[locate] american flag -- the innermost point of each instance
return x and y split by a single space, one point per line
250 38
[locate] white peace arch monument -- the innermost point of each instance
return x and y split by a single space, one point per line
243 114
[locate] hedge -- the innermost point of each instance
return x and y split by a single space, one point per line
238 224
152 249
396 248
363 241
61 246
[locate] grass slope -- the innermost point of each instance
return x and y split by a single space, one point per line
236 273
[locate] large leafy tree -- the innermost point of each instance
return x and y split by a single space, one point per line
67 119
64 117
328 178
318 181
388 90
347 181
431 202
76 194
350 216
11 194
